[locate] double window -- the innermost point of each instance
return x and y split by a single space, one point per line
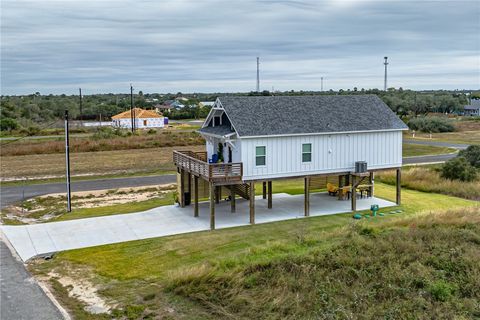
306 152
260 156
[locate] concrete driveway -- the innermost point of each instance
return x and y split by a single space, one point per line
40 239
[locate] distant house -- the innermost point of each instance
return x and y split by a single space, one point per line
174 104
141 118
207 103
473 109
159 108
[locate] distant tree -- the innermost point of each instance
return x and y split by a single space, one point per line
472 154
458 169
8 124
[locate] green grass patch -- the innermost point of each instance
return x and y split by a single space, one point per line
242 271
412 150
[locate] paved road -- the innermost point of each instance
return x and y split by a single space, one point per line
433 158
437 143
10 195
21 297
429 159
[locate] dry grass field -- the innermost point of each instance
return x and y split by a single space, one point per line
44 166
90 144
467 132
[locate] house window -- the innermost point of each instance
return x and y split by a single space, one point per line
307 152
145 123
260 156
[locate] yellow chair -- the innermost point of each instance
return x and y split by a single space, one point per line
332 189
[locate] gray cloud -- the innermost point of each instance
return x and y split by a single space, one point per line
211 45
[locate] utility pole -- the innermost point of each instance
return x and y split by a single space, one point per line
67 159
132 116
81 109
321 84
258 74
385 80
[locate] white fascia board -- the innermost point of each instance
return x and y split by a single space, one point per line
319 133
205 134
316 172
231 123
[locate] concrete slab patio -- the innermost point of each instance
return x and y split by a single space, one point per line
40 239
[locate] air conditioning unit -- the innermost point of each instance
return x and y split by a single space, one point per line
360 166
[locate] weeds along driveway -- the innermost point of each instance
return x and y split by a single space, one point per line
41 239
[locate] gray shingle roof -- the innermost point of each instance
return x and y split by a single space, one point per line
217 130
263 116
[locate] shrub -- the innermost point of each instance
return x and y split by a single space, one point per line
472 154
431 124
441 290
109 132
151 131
8 124
458 169
30 131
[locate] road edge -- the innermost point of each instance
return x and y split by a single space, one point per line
42 286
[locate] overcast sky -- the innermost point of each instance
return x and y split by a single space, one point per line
211 46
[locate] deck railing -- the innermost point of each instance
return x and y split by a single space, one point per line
196 163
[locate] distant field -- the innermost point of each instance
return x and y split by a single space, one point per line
468 132
91 163
167 138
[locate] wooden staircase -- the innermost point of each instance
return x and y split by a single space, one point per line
243 190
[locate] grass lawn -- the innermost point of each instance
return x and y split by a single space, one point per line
158 277
412 150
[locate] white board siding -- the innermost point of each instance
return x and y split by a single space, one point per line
139 123
330 153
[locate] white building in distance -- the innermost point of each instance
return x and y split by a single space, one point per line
142 119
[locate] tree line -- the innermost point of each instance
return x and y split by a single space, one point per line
35 109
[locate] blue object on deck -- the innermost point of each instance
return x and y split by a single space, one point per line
214 158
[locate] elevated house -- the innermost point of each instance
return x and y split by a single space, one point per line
140 118
473 109
266 138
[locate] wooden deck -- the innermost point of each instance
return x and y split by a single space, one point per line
197 164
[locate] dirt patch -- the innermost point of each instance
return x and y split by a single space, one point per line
90 199
82 290
48 207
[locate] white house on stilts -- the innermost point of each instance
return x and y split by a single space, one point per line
265 138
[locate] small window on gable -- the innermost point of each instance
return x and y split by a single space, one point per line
307 152
260 156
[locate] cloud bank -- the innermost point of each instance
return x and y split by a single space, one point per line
211 45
